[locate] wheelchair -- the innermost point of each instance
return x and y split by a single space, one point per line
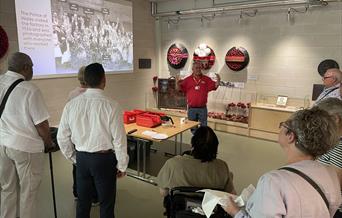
183 201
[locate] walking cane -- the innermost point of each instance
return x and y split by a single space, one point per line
53 132
52 186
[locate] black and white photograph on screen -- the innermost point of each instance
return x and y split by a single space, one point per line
87 31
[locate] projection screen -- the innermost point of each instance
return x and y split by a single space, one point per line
63 35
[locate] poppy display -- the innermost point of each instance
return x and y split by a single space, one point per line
177 55
204 54
3 42
237 58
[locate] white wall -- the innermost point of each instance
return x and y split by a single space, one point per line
128 89
283 55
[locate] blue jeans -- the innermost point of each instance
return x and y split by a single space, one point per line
198 114
98 169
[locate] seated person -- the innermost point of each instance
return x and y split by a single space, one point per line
199 168
306 135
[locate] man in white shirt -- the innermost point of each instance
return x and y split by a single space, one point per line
93 123
331 80
24 130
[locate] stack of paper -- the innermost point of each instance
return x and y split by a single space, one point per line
155 135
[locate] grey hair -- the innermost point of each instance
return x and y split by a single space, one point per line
336 73
315 131
80 75
332 105
17 61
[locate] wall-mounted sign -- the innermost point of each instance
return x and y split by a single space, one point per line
204 54
3 42
237 58
177 55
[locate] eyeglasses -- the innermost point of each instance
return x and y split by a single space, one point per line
283 124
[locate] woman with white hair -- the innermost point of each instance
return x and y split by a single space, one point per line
285 192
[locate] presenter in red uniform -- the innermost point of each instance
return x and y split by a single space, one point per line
196 88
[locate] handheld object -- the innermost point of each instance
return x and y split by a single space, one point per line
132 131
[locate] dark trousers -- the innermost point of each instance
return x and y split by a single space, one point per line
198 114
98 169
74 185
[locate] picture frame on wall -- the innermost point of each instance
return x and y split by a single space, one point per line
281 101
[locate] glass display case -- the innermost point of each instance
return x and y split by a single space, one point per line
230 104
165 95
278 102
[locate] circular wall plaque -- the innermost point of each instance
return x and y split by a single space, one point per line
177 55
237 58
325 65
3 42
205 55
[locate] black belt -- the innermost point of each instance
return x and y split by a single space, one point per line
199 107
104 151
99 152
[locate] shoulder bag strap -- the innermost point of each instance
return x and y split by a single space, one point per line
10 89
309 180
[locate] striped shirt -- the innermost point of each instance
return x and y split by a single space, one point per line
334 158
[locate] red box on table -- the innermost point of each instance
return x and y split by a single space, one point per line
130 116
149 119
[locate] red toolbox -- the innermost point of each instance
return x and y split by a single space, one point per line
156 113
130 116
148 120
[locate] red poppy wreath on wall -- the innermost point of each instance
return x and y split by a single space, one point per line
237 58
177 55
204 54
3 42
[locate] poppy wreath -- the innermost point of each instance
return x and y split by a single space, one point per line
3 42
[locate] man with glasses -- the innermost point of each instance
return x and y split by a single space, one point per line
331 81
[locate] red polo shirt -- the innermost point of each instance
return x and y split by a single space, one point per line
196 90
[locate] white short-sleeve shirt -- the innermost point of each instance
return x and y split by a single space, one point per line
24 109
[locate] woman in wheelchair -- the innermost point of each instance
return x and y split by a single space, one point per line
286 192
197 168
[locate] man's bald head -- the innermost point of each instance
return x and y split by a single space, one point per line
21 63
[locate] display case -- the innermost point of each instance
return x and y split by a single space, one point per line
230 104
266 114
276 102
168 96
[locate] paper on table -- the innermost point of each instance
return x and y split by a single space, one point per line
155 135
160 136
212 198
149 133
